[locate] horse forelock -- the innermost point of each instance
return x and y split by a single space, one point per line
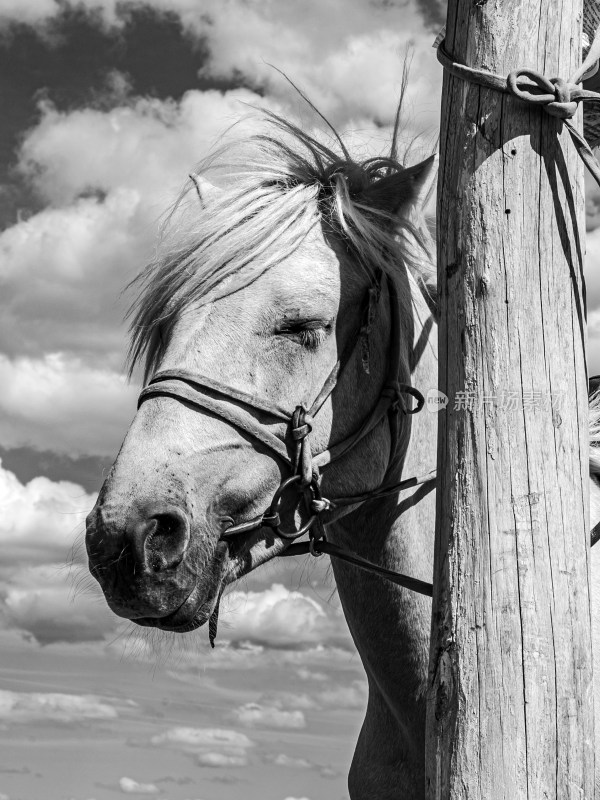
275 187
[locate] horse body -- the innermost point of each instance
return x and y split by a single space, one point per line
272 324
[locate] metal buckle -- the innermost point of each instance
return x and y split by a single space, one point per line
275 506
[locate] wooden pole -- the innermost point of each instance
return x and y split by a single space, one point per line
510 706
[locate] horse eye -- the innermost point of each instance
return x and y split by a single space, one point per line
308 334
311 338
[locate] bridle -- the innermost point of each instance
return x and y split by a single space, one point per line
256 417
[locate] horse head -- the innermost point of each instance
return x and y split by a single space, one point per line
266 294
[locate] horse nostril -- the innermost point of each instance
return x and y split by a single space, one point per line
157 537
166 541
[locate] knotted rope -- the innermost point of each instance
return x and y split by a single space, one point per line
558 97
301 427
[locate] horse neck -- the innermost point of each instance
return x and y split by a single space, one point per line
390 625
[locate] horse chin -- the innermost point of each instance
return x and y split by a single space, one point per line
191 614
231 562
198 606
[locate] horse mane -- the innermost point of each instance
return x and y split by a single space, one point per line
274 188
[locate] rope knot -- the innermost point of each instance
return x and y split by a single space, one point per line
554 94
302 424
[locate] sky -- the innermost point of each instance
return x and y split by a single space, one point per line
106 108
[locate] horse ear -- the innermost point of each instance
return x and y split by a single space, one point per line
399 193
204 188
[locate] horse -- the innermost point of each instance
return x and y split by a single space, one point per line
289 277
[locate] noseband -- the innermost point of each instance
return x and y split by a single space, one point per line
257 416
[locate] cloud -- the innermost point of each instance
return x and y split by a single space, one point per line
57 403
106 178
144 149
592 285
592 268
296 798
30 13
129 786
30 706
362 62
222 760
62 270
40 600
306 674
107 175
37 531
593 343
353 696
39 519
288 700
341 697
253 715
213 747
192 739
278 617
283 760
433 11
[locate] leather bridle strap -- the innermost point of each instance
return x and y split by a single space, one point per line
229 404
320 546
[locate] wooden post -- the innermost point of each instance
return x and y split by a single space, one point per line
510 705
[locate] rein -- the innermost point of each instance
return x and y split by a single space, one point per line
256 417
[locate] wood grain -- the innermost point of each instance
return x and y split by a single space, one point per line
510 705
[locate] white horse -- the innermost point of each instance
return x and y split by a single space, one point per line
302 259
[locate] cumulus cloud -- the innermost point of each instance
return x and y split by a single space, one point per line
39 519
30 706
592 264
192 739
310 675
41 601
30 13
253 715
278 617
283 760
353 696
222 760
130 786
144 149
107 175
288 700
362 62
62 271
592 281
57 403
296 798
593 344
213 747
362 66
38 525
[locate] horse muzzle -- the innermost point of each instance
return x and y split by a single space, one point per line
146 566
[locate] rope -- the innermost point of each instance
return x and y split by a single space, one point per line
559 98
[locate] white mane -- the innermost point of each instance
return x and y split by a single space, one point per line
274 189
